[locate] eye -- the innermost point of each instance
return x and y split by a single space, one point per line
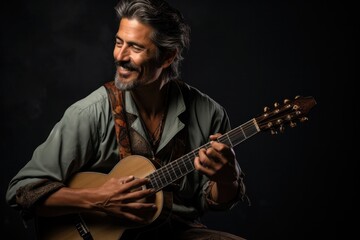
118 43
137 48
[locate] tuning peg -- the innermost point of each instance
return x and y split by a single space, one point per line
286 101
303 119
297 96
292 124
266 109
282 128
276 104
296 107
273 132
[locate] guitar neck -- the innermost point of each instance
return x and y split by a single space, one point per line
178 168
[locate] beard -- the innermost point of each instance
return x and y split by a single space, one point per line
125 86
129 85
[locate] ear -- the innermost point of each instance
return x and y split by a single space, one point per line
168 59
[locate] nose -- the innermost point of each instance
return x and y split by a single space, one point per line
121 53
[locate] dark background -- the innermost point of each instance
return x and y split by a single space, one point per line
246 55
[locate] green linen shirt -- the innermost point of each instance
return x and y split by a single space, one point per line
84 140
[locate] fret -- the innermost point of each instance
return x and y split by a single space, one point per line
176 168
172 171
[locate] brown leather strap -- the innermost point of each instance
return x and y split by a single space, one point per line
120 119
122 136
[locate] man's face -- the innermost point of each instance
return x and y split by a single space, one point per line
135 55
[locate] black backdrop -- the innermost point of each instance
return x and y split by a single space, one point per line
246 55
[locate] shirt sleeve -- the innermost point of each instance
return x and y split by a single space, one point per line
221 124
71 144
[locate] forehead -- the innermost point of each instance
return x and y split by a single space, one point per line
134 31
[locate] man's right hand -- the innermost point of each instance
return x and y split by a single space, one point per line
123 197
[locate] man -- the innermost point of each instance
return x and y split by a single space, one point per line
149 113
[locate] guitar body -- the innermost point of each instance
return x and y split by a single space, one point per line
98 224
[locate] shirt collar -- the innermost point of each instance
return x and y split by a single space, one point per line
173 124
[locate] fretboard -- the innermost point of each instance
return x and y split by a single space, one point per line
185 164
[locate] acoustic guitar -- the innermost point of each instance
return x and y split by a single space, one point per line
98 225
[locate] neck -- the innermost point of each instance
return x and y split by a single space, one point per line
151 99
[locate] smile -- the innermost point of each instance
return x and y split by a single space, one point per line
124 72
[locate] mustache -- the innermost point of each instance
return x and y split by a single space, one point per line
127 65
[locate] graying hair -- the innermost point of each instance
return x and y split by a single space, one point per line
171 33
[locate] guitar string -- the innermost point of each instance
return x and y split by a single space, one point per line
185 160
160 174
244 129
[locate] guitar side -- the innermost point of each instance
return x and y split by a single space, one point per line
100 225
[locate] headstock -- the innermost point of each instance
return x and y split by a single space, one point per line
288 113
